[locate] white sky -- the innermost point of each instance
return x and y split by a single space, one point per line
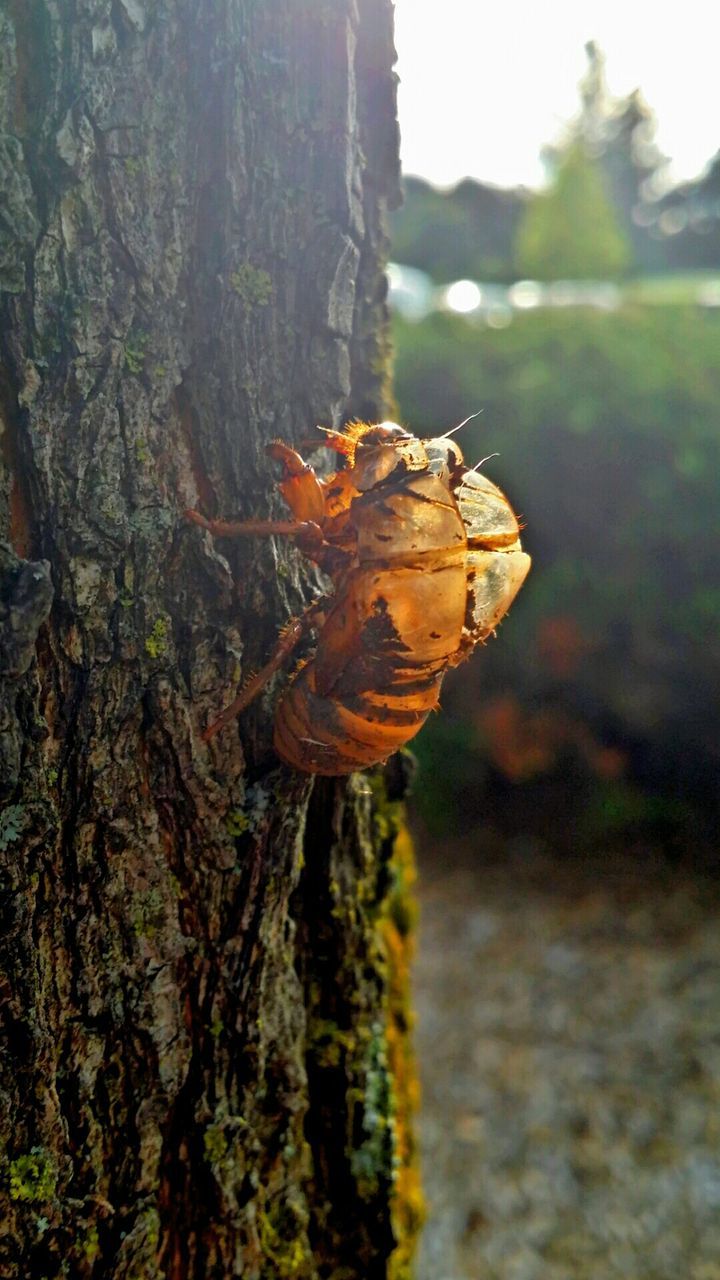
485 85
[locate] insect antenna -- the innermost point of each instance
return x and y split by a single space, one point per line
479 464
336 440
464 422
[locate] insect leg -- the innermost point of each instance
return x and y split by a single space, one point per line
289 637
307 530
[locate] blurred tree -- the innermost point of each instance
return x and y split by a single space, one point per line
472 230
618 134
607 427
595 101
570 231
676 227
634 168
685 222
466 232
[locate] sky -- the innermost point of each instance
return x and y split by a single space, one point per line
483 87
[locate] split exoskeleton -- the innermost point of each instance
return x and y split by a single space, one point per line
425 560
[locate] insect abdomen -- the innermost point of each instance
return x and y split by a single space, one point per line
334 734
379 665
425 559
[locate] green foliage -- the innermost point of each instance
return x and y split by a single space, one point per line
330 1043
372 1159
156 642
142 453
607 429
91 1244
237 822
12 824
215 1143
32 1177
253 816
570 231
466 232
285 1251
252 285
134 351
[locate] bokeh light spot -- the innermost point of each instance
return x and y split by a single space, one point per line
463 296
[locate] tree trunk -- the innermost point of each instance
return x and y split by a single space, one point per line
204 1069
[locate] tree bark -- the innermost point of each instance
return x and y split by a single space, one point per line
205 1069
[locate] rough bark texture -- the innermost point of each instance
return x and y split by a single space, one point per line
204 1063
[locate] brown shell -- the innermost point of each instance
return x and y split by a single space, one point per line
435 567
488 517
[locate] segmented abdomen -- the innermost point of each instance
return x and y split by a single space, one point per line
400 621
334 735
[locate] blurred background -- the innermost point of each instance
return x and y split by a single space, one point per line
556 268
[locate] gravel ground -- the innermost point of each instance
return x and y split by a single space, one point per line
569 1044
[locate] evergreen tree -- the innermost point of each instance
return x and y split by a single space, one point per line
633 166
616 139
570 231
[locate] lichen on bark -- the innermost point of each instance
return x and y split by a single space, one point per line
191 250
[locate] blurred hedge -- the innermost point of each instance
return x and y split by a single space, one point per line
598 705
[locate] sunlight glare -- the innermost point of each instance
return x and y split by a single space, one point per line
481 93
463 296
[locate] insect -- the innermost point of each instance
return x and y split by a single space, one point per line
425 559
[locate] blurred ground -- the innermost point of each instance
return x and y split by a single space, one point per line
569 1044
